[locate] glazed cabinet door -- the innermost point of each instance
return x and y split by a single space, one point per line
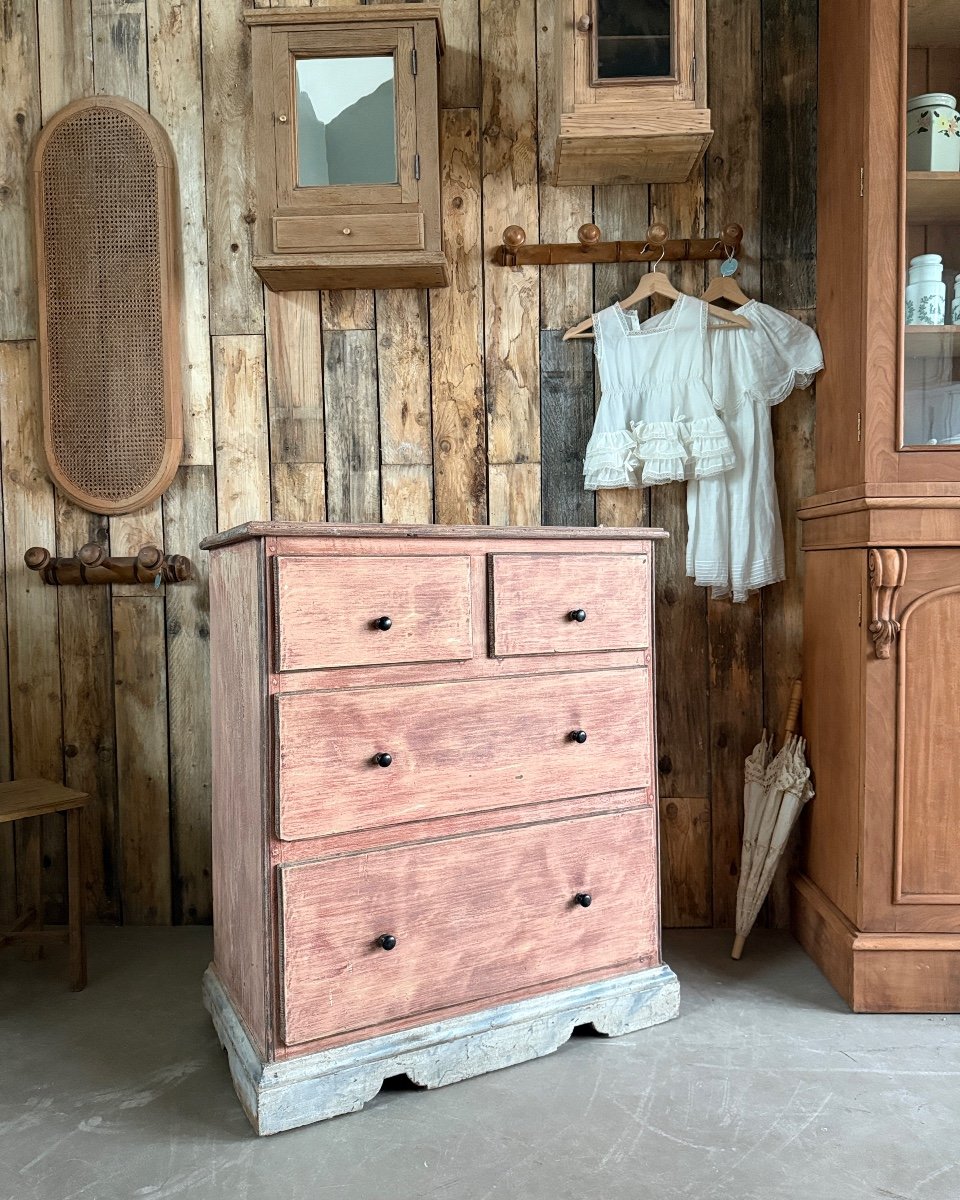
912 761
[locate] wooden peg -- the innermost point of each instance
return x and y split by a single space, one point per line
732 236
513 237
657 234
588 235
37 558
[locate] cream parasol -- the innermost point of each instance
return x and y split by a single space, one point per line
774 792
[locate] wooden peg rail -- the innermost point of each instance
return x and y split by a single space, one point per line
590 248
91 564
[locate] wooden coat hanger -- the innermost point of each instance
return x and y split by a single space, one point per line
656 283
725 287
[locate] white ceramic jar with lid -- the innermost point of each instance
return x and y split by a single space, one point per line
926 294
933 132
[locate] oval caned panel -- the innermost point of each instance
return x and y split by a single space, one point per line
106 217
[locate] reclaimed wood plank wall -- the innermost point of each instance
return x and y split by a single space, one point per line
457 406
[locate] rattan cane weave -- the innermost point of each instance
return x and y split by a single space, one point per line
109 285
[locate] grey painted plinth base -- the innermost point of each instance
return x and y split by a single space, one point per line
283 1095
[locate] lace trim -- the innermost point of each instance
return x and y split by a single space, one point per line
799 377
655 452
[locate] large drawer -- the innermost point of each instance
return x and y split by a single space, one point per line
568 603
457 747
328 609
473 917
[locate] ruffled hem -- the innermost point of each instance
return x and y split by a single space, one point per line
741 591
655 452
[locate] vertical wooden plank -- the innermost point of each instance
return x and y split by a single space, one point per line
189 515
240 420
143 786
34 649
734 194
407 494
176 100
511 295
19 122
789 166
514 493
347 310
65 33
566 293
566 420
86 667
460 65
352 425
456 325
120 49
236 296
686 884
620 211
295 402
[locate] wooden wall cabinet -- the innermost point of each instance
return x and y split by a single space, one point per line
632 90
878 902
347 146
434 804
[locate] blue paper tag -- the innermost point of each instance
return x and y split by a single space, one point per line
729 267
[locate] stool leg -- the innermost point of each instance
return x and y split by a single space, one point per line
29 870
78 947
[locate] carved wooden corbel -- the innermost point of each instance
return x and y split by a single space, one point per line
887 571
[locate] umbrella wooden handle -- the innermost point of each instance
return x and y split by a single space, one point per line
792 723
738 944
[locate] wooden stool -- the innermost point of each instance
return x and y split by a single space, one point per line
23 800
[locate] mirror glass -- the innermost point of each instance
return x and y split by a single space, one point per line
346 121
634 39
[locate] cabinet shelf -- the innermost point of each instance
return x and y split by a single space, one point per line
933 196
933 23
932 341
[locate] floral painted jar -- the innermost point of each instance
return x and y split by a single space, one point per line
933 133
926 293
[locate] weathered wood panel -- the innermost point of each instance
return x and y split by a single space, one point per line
461 407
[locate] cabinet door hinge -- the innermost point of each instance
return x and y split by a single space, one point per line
859 426
416 166
413 67
861 183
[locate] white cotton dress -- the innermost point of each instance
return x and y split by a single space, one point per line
656 421
734 536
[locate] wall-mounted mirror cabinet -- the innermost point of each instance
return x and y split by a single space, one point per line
632 91
347 150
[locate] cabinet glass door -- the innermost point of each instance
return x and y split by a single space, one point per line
346 121
634 40
931 310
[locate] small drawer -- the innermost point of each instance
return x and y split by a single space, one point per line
373 231
568 603
456 747
472 917
349 612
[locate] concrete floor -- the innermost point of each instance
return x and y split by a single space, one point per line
767 1088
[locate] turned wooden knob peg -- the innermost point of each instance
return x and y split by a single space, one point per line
585 23
37 558
150 558
732 236
513 237
588 235
92 554
658 233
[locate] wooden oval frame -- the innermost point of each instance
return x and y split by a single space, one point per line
171 302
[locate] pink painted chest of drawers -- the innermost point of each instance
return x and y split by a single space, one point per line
434 809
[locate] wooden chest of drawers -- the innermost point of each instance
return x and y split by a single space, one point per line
434 810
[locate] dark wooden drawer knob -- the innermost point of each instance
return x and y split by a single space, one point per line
383 623
584 899
383 760
386 941
578 614
578 735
